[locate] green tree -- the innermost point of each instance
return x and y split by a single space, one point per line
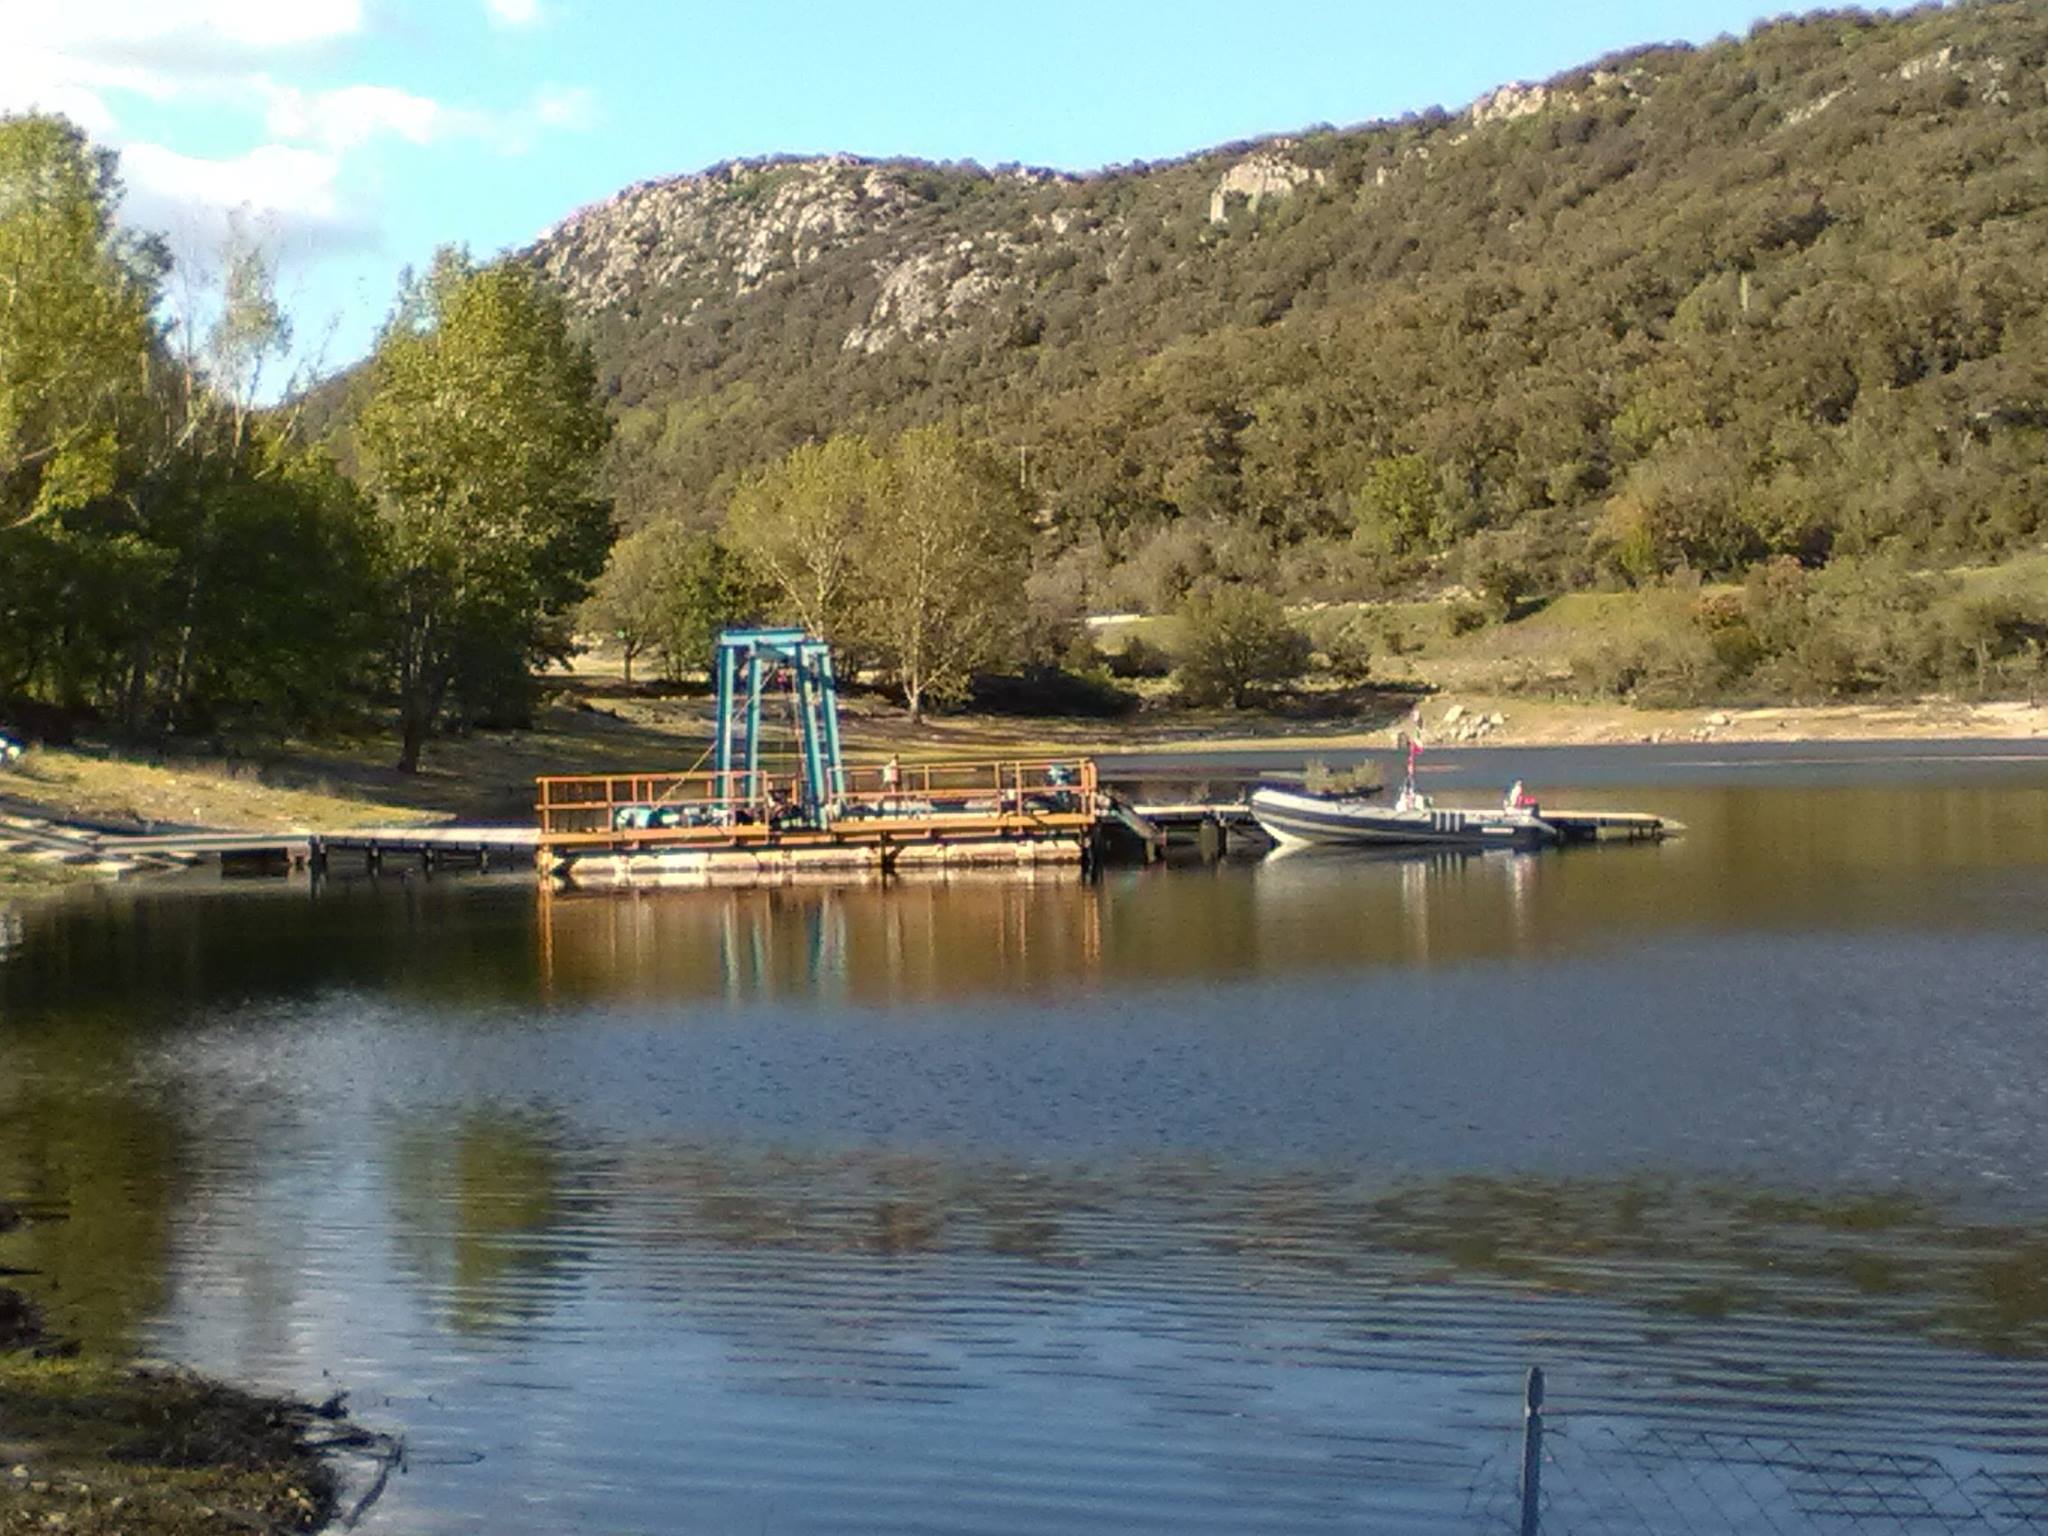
172 564
944 565
478 444
625 603
1237 641
667 589
75 301
217 520
1397 503
800 524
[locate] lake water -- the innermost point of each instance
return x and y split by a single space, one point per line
1200 1198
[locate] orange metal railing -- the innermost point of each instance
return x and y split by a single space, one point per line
874 801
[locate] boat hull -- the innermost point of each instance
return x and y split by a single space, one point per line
1295 820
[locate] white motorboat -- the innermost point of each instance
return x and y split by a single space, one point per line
1296 818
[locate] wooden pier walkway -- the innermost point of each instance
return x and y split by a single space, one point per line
127 853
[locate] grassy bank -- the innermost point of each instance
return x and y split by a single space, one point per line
101 1450
294 792
21 875
97 1449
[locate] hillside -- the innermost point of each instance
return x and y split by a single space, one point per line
1778 296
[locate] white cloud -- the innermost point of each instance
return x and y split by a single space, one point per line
32 80
73 56
300 186
355 114
564 106
514 13
309 166
181 36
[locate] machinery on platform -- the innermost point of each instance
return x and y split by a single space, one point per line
743 817
755 670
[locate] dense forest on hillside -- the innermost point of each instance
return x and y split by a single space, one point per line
1678 310
1755 334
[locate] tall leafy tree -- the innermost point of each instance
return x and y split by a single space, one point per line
478 445
167 560
668 590
75 331
800 525
945 564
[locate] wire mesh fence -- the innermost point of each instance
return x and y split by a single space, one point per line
1574 1479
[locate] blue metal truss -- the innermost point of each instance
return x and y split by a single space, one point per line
749 661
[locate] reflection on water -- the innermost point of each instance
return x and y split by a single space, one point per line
72 1141
477 1213
1931 858
832 943
1204 1196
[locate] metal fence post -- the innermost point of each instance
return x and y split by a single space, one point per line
1532 1450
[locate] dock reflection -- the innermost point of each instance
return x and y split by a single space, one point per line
854 943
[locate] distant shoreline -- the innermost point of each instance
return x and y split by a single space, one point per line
1525 722
489 778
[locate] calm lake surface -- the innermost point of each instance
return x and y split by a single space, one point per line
1202 1198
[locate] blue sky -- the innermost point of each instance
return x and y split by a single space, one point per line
360 134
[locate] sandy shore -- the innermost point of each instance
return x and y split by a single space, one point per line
1460 719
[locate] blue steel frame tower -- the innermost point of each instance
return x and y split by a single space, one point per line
747 660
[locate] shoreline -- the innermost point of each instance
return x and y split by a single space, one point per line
1524 722
104 1448
489 779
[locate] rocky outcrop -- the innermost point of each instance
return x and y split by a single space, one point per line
1808 111
1940 62
739 223
927 289
1519 98
1265 174
661 251
1513 100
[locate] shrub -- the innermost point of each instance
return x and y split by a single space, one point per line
1052 691
1239 643
1348 652
1467 614
1139 658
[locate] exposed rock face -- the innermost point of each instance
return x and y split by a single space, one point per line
741 226
1812 109
1940 62
924 291
1987 74
1518 98
1513 100
1263 174
739 222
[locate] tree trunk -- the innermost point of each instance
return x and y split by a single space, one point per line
412 737
417 700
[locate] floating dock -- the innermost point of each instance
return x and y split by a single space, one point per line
1611 826
744 826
